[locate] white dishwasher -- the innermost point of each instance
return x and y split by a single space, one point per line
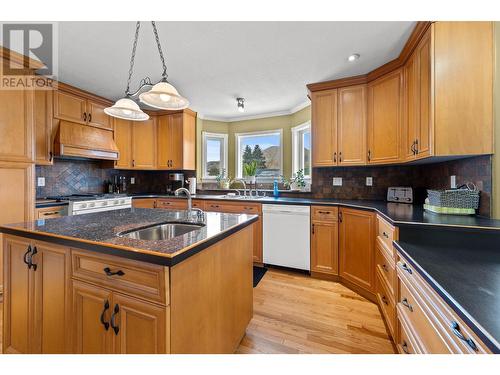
286 233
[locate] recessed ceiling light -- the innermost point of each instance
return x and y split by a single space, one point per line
353 57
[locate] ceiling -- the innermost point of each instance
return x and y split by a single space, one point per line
213 63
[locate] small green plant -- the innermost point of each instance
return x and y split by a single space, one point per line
298 180
250 169
222 180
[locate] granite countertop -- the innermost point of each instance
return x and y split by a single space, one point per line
464 270
98 232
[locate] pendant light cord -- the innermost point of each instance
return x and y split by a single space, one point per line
155 31
132 58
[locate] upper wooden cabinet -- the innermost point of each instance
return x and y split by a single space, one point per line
71 105
144 144
123 140
44 152
324 128
177 141
384 118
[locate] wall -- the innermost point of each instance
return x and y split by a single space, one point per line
496 157
84 176
286 123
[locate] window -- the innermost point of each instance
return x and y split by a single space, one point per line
301 149
262 147
214 154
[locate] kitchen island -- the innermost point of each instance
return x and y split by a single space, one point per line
96 284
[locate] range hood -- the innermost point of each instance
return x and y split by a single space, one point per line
83 141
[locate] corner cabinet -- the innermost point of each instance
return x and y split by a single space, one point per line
385 104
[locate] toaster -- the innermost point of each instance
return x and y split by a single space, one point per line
400 194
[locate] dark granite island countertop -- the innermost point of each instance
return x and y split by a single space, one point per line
98 232
463 267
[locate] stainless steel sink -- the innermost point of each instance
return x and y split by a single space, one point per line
161 231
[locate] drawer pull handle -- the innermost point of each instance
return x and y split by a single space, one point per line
385 235
384 300
325 212
30 259
406 304
104 323
51 213
116 310
406 268
404 346
108 272
25 257
456 330
313 228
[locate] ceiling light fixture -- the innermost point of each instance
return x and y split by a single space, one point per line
353 57
241 104
162 95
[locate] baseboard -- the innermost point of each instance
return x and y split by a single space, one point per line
325 276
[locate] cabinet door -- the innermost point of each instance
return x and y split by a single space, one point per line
123 140
424 129
175 122
384 118
324 128
138 327
144 144
52 299
352 126
89 333
324 247
144 203
16 125
70 107
18 324
357 237
96 115
412 112
43 127
257 244
164 139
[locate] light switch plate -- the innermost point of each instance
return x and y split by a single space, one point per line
369 181
337 181
40 181
453 182
132 180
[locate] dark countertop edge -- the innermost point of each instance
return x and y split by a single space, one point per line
147 257
482 333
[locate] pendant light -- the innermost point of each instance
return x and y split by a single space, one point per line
161 96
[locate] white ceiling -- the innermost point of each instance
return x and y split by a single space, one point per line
212 63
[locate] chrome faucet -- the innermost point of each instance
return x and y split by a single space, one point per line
244 185
188 194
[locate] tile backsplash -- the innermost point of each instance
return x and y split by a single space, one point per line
84 176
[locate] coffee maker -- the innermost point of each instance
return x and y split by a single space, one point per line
175 181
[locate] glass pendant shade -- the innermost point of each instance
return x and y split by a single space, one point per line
126 109
164 96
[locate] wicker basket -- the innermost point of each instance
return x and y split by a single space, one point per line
456 198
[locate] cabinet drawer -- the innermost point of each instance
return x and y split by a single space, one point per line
386 232
387 268
421 321
386 302
143 280
199 204
234 207
172 204
406 343
324 213
143 203
51 212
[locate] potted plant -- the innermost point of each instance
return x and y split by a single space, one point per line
250 170
223 181
297 182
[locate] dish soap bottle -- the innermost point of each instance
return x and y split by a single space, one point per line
276 193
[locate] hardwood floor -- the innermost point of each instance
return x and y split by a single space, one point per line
294 313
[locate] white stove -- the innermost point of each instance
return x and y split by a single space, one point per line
80 207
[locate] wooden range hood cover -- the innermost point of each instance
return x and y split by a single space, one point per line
84 141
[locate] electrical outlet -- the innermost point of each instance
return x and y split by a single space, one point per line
337 181
453 182
132 180
369 181
40 181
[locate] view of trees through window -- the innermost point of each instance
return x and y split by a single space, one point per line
265 150
214 155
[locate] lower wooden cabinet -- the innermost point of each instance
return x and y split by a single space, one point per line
110 322
324 240
357 255
33 321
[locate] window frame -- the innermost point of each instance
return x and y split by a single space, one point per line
224 153
296 145
239 169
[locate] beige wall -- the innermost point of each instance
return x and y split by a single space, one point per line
285 123
496 106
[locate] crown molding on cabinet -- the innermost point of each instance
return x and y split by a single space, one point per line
415 37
